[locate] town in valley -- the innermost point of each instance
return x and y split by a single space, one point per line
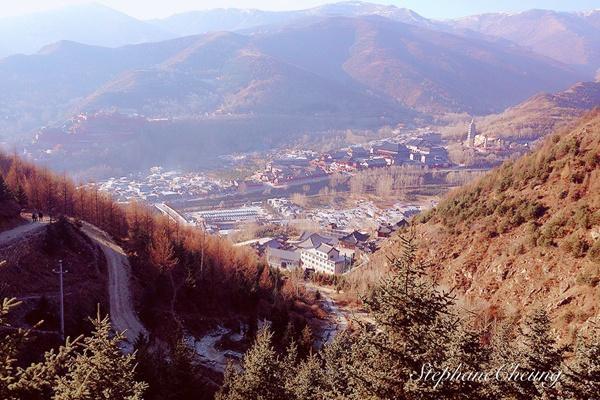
325 211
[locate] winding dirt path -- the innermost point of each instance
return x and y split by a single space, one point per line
20 232
122 313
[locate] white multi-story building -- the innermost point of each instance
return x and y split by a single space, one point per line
324 258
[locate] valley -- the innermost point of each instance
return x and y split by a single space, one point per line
301 203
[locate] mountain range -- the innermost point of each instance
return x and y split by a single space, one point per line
273 75
85 23
571 38
367 67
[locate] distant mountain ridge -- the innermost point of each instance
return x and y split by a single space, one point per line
571 38
92 24
340 66
232 19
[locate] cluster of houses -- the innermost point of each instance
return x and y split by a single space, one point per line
315 252
290 170
331 253
424 150
387 230
284 207
161 186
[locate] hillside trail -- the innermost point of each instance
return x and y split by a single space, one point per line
122 312
20 232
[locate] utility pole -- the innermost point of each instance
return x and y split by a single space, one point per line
60 273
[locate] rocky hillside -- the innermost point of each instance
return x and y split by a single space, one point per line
525 236
543 113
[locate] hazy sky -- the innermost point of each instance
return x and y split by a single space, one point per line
429 8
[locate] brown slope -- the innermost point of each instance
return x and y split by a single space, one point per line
543 113
526 235
28 275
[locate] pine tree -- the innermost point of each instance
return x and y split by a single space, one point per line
290 362
337 371
9 347
467 352
538 352
582 376
413 323
263 376
5 192
306 342
162 255
39 380
100 370
21 196
309 381
503 352
82 369
184 379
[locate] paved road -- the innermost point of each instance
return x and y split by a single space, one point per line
122 313
20 232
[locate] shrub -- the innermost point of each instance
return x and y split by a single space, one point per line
594 252
575 245
583 217
592 159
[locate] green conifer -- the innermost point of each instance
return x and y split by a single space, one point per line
5 192
582 375
537 352
337 369
413 324
83 369
309 381
262 376
100 370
